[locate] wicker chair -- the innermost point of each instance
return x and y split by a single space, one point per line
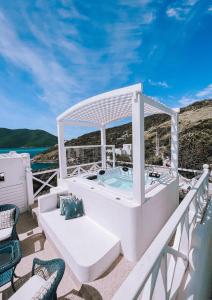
10 256
45 268
41 272
14 235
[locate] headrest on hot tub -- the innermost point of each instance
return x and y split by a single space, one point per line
101 172
125 169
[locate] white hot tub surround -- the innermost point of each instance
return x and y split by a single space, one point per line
123 216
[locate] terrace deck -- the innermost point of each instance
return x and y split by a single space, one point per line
34 244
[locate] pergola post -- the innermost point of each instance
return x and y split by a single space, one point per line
138 148
174 142
103 147
61 150
114 156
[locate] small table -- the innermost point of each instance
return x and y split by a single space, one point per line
10 256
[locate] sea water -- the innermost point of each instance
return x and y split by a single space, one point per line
32 152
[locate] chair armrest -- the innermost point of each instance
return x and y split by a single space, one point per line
47 202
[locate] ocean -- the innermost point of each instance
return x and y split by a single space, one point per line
32 152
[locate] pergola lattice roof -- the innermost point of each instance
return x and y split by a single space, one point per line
105 108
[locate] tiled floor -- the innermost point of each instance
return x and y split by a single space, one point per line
34 244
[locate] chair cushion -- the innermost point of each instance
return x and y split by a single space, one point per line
45 287
73 209
29 289
5 233
7 218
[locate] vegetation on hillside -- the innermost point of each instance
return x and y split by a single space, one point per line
16 138
195 137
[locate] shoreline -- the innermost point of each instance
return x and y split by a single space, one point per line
44 161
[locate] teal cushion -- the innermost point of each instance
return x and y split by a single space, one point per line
63 201
73 209
61 195
70 210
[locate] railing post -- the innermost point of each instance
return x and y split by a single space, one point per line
174 143
138 148
114 156
206 170
29 186
61 150
103 146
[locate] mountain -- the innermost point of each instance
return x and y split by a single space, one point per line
16 138
195 136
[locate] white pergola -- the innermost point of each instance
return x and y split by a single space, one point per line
101 110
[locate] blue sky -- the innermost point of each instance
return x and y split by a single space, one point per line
56 53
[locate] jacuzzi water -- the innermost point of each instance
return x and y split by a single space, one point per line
119 179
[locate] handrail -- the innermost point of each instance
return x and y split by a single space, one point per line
44 172
83 147
84 165
152 258
87 146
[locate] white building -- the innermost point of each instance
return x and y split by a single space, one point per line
127 149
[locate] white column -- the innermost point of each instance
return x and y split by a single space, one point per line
103 148
29 186
138 148
114 156
174 143
61 150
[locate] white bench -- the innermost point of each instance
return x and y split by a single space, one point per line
87 248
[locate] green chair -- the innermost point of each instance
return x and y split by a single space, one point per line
10 256
42 271
9 233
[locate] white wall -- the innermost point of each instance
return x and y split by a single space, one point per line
14 189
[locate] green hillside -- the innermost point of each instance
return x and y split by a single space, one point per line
195 136
15 138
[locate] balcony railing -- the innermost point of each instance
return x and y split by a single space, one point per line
45 180
90 157
160 271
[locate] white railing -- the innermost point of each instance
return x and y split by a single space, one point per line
160 271
44 182
91 166
77 170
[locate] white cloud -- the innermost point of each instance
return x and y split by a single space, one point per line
191 2
71 13
61 66
51 76
148 18
210 9
135 3
163 84
177 12
180 9
205 93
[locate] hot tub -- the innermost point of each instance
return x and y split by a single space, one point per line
120 179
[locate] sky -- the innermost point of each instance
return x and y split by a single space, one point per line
54 54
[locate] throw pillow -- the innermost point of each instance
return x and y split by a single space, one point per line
58 198
63 201
80 207
74 209
7 218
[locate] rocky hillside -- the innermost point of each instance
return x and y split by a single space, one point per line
195 139
16 138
